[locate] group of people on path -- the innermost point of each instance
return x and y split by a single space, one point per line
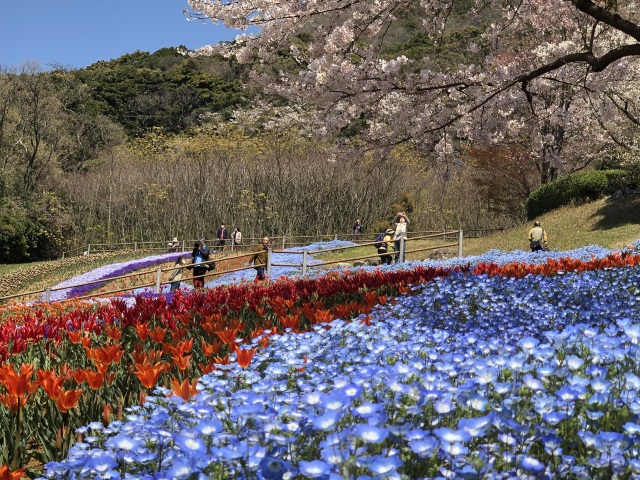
201 263
388 249
391 239
222 235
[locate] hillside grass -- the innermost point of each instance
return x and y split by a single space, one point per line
609 223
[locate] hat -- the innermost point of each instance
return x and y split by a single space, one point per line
175 239
390 230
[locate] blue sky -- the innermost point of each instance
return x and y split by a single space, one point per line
76 34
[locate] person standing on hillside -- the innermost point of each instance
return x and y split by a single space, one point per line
221 236
537 238
400 221
260 258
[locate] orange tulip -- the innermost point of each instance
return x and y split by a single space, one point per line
182 362
68 399
74 336
178 333
18 386
78 375
204 369
291 321
158 334
106 414
114 333
140 357
50 383
228 337
6 474
222 360
94 379
185 389
148 375
108 354
245 355
143 331
212 348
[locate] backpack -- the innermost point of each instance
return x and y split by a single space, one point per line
379 239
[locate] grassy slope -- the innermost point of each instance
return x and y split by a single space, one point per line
608 223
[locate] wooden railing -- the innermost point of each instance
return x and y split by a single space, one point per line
234 258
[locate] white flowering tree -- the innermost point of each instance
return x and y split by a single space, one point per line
558 75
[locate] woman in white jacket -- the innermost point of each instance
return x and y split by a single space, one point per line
401 221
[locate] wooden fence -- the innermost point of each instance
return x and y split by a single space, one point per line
155 275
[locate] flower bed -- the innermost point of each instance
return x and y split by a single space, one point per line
518 370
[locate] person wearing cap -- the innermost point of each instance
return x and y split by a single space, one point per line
384 250
174 245
537 238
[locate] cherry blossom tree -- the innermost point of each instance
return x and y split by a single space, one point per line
560 76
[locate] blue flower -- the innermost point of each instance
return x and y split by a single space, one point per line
327 421
273 468
370 433
314 468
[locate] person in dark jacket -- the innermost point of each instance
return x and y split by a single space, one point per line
199 255
222 235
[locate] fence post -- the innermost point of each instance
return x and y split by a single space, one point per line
403 246
62 255
335 237
283 240
304 262
183 245
47 295
269 251
89 249
460 236
158 280
135 246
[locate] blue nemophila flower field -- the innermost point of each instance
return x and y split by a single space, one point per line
469 377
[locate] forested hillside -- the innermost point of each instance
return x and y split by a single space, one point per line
155 145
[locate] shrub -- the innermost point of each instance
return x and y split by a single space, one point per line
577 187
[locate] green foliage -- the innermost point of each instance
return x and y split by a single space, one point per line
577 187
142 91
33 230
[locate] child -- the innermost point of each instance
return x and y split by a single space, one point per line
176 273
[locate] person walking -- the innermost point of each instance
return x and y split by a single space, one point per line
537 238
221 236
176 274
260 258
199 255
400 221
384 248
357 230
